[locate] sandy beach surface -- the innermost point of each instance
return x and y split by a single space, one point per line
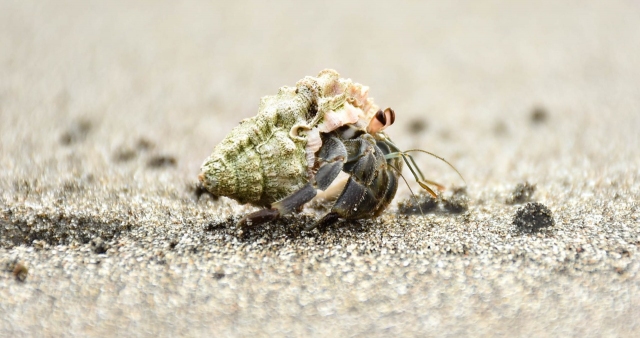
108 109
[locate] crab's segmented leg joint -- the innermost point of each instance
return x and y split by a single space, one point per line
324 222
293 201
331 159
258 217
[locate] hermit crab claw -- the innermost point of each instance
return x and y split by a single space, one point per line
381 120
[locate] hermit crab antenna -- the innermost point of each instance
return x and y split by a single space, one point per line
415 198
418 179
421 182
438 157
405 153
415 165
396 149
381 120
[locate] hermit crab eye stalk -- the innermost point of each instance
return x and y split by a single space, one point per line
381 120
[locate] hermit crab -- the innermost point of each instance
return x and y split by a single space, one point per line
298 144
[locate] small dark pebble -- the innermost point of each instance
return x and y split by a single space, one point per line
522 193
216 226
533 216
20 272
218 275
458 202
70 186
77 132
539 115
124 154
422 203
161 161
144 144
99 246
417 126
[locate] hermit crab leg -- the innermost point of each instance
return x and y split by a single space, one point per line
370 185
438 157
422 178
419 176
396 149
415 198
331 158
415 165
405 153
325 221
420 182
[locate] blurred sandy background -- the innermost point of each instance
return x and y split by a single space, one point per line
107 110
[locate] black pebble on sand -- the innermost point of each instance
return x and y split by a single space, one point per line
522 193
533 217
417 205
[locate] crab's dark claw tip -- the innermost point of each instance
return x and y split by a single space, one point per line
257 218
324 222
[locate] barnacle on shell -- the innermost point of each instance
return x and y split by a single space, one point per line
272 154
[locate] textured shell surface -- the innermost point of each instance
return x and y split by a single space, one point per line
271 155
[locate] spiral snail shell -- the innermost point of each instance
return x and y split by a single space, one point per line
271 155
